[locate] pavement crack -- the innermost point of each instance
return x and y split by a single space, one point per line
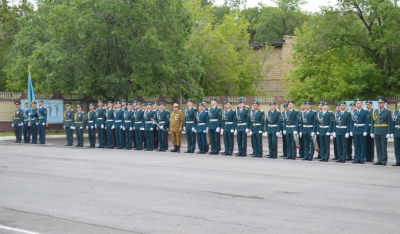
236 195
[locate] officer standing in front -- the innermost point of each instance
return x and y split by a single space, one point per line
273 129
79 121
163 118
201 129
214 126
42 120
176 126
100 122
291 129
118 125
128 126
228 127
139 126
26 127
381 130
325 128
33 123
342 131
284 115
242 127
396 134
301 139
18 119
190 115
335 149
91 120
110 125
320 109
358 129
69 116
308 130
149 116
369 152
257 118
349 141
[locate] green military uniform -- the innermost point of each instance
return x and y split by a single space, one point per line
228 128
214 127
33 116
69 116
273 130
163 118
325 128
18 119
128 127
190 115
396 135
307 130
242 128
257 119
342 132
91 122
380 130
26 127
80 119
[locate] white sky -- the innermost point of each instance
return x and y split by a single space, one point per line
311 6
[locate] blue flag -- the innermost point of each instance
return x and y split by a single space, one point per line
31 94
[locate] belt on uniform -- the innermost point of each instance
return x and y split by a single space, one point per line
213 120
189 122
272 125
41 117
241 124
161 122
16 118
359 125
68 120
256 124
229 122
290 126
341 126
397 126
308 126
138 122
99 118
380 125
149 121
201 124
109 120
90 121
78 122
323 126
127 121
118 121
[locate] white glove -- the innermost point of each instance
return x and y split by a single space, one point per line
123 128
317 133
102 126
43 124
222 131
64 127
391 135
162 127
205 131
235 133
218 129
193 130
251 133
328 133
259 131
133 128
284 132
266 134
351 133
29 124
247 130
372 135
87 127
130 129
142 129
312 134
334 134
95 125
20 124
278 134
232 131
301 134
72 127
184 129
346 135
387 135
12 125
151 129
81 127
92 127
37 123
365 134
29 113
113 127
295 133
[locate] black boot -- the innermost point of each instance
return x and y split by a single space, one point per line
175 148
178 149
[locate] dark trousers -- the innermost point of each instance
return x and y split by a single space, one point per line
325 144
110 142
79 135
359 148
341 147
92 136
319 146
349 148
34 133
69 134
381 148
128 138
228 142
301 149
149 139
163 138
41 133
256 140
397 149
291 146
134 137
201 141
335 149
18 133
118 137
27 133
369 152
242 142
100 135
191 140
214 140
273 145
284 145
138 138
156 140
308 146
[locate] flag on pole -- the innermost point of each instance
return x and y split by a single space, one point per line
31 94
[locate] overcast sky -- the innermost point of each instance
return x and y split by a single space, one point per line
312 5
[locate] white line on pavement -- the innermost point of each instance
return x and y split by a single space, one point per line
17 230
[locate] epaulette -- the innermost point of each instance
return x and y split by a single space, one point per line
348 111
277 110
262 110
72 109
205 111
167 110
233 109
365 109
246 108
330 111
388 109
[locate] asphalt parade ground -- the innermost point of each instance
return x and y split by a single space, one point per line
56 189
